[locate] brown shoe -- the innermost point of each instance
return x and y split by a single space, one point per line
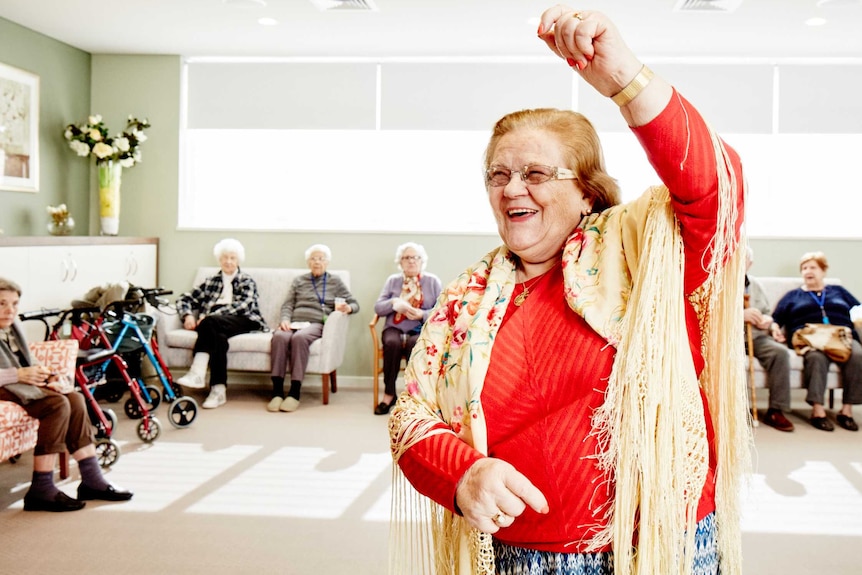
774 418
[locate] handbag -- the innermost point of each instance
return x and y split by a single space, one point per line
833 340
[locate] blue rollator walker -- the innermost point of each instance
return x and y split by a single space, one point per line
133 331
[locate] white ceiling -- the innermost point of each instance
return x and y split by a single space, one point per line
434 28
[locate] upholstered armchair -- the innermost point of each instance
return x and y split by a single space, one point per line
250 351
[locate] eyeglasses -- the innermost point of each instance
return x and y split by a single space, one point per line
531 174
411 258
317 259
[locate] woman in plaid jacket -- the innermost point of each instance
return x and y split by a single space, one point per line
224 305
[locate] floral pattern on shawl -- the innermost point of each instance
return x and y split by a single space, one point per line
454 350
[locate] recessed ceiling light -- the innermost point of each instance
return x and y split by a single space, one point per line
815 21
267 21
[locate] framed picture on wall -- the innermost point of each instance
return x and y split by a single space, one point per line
19 130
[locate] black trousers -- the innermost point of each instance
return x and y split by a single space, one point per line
213 333
396 344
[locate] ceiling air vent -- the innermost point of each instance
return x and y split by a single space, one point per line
345 5
706 5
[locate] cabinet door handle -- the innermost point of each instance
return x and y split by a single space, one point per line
74 268
65 270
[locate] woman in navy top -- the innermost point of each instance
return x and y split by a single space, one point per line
816 302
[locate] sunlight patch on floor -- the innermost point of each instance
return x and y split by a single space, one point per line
815 499
163 473
289 484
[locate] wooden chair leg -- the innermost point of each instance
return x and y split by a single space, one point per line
375 376
64 465
334 384
325 378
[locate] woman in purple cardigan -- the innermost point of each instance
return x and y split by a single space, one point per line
405 300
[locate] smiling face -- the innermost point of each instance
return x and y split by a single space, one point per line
8 308
534 221
317 263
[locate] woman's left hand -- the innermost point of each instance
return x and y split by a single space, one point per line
592 45
344 308
590 42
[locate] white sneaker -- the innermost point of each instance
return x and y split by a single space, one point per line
289 404
216 398
274 404
192 381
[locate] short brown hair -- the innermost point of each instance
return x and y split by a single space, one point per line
9 285
817 257
580 145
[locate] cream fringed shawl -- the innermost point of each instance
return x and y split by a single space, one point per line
623 273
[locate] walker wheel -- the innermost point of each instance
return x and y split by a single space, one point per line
107 452
155 397
114 395
149 429
132 409
110 419
183 411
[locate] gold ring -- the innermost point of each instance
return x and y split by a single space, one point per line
578 16
498 518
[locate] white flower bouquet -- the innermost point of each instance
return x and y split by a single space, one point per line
92 138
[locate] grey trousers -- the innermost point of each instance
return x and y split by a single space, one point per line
292 346
816 368
775 360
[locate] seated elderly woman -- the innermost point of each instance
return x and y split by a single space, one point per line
405 301
310 299
224 305
63 420
815 302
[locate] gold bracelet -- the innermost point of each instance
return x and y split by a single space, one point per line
634 87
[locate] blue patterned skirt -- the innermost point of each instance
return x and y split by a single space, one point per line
519 561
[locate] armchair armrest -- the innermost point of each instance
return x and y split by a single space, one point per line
165 322
333 342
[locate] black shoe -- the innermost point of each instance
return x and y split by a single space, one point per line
110 493
60 503
383 407
847 422
822 423
776 419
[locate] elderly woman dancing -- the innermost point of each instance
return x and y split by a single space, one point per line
573 403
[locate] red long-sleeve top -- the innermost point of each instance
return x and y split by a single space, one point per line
549 370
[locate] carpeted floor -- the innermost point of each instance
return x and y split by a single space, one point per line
246 491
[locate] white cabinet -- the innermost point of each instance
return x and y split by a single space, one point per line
53 272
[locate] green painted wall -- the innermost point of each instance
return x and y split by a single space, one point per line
64 97
149 86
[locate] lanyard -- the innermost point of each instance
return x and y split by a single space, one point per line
320 298
821 301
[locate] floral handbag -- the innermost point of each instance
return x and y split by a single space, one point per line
833 340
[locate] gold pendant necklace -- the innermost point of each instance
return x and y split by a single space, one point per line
522 297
